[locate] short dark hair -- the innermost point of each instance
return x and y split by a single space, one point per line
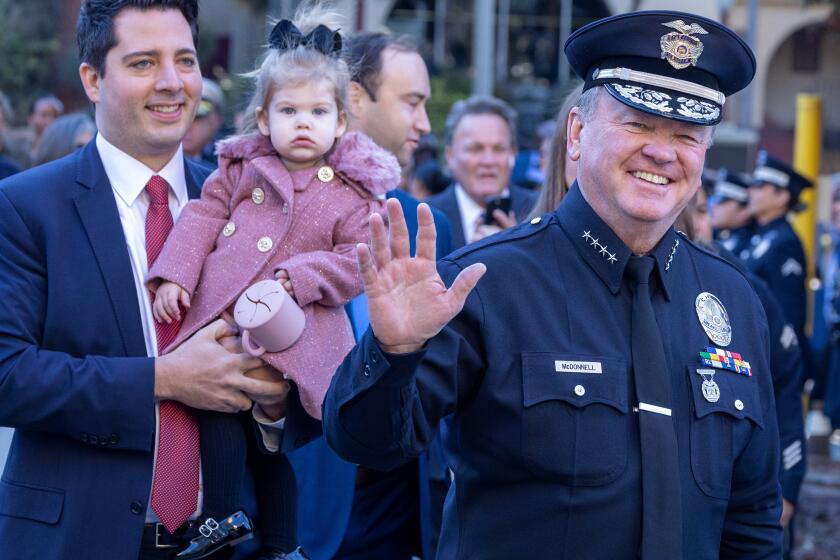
480 105
363 53
95 26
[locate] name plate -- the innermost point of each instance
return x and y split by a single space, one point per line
565 366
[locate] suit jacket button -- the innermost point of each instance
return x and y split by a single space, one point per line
367 370
136 508
114 440
93 439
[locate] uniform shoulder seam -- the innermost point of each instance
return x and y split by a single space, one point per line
519 231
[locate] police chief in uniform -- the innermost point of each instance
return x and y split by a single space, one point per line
608 380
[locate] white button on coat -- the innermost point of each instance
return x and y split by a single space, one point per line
265 244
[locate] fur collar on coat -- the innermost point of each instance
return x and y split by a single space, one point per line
354 157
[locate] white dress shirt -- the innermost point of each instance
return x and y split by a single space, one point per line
128 178
471 211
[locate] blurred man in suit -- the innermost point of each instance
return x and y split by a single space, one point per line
480 149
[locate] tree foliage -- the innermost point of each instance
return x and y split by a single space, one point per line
28 43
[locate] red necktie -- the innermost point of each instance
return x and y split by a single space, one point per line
175 483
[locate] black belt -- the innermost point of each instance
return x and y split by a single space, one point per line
156 536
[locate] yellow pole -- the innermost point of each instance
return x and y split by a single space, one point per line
807 149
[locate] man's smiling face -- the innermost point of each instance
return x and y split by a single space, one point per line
148 93
634 168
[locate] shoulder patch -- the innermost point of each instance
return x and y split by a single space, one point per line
791 267
788 338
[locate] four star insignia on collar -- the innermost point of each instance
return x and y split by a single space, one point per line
593 241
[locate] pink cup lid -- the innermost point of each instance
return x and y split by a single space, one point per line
259 303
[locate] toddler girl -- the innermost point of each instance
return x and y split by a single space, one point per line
290 201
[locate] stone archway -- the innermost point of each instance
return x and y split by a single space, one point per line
776 24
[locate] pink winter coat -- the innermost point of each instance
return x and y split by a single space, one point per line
313 229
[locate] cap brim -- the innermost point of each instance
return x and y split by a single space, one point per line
666 103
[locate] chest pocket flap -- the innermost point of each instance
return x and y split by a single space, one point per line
738 395
575 421
575 379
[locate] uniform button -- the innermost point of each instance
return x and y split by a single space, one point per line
739 405
579 390
265 244
136 508
258 195
535 221
230 227
325 174
367 370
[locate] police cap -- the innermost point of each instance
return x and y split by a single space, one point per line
671 64
731 185
775 172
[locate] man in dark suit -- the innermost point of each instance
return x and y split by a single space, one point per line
345 512
92 471
480 149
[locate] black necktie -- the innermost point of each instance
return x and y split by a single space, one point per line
661 494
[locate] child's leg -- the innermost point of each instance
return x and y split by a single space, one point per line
223 458
276 489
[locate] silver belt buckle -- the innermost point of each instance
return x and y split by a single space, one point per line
158 527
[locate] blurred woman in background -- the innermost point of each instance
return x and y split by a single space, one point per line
63 136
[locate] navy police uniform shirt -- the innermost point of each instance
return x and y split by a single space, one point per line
536 371
786 365
736 241
786 370
776 256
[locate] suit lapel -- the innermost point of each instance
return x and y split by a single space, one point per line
522 202
195 175
453 214
100 217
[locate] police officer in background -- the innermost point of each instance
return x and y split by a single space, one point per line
785 364
729 211
619 403
775 253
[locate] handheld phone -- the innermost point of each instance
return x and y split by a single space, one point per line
496 203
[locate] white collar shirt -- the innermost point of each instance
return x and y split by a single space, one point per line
128 178
472 213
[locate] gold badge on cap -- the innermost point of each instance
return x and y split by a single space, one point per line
714 318
326 174
681 48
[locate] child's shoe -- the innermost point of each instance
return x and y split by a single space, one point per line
214 535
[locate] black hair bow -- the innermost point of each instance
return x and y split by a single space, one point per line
286 36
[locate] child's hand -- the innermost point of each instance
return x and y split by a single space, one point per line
282 276
165 309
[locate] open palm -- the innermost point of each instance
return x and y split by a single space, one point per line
408 303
